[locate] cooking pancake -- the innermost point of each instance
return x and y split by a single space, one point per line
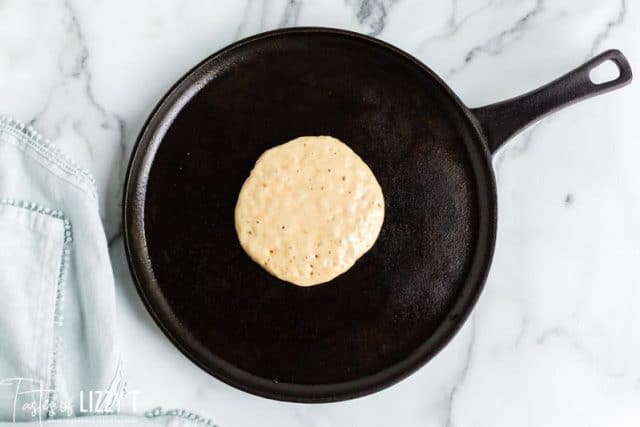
309 209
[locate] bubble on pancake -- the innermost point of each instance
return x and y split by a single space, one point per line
309 210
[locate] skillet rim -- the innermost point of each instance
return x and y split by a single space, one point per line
134 238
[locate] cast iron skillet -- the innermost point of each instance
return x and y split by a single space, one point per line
401 302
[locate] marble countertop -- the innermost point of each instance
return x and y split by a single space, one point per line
555 337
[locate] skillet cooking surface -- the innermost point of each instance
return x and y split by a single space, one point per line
399 303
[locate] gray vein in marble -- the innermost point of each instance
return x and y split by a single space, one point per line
604 34
373 13
291 14
453 24
617 375
265 7
241 25
524 322
43 110
116 183
116 179
561 333
454 11
81 72
110 121
114 238
250 10
513 147
303 415
496 44
568 200
463 374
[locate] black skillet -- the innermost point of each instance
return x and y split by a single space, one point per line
402 301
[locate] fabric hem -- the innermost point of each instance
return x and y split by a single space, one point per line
180 413
27 136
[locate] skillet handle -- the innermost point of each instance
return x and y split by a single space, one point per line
502 120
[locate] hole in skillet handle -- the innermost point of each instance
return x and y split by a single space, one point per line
502 120
605 72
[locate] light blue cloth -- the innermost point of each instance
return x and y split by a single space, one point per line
58 345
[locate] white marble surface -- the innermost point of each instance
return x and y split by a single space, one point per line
554 339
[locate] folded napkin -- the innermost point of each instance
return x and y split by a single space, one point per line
59 360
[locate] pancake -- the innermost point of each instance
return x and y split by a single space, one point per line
309 210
